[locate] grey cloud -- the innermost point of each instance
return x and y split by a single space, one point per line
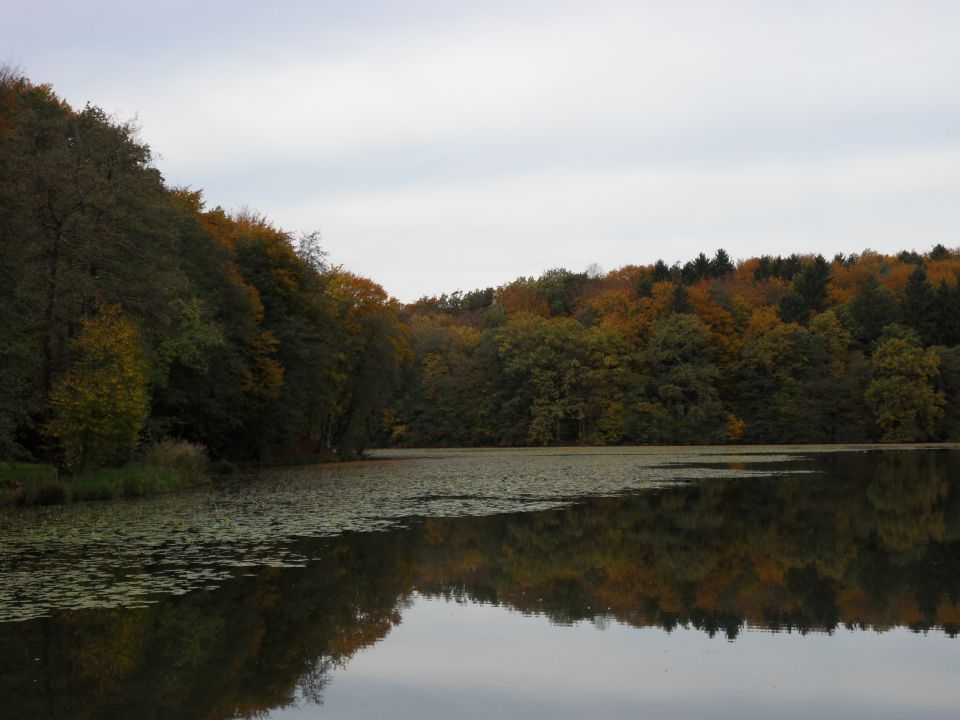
477 142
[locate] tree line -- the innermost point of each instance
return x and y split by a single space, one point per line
129 311
770 349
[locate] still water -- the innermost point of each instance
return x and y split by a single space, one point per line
537 583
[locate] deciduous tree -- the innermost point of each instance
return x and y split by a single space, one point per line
101 404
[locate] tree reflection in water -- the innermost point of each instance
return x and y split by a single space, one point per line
871 541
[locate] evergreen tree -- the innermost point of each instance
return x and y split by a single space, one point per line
919 307
870 311
721 265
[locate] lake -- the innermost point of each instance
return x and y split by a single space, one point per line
562 583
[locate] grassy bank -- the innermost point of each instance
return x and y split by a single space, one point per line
25 484
30 484
161 468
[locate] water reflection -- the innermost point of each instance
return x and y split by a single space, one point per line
869 541
523 667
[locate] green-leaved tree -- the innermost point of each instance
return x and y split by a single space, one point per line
906 405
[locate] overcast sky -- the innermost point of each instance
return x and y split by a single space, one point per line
446 145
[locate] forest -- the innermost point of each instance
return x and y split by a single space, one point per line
767 350
132 314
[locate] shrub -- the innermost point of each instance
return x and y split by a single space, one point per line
189 459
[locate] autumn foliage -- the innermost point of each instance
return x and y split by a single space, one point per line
131 310
242 337
770 349
101 404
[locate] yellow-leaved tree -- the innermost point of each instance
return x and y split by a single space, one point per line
100 405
